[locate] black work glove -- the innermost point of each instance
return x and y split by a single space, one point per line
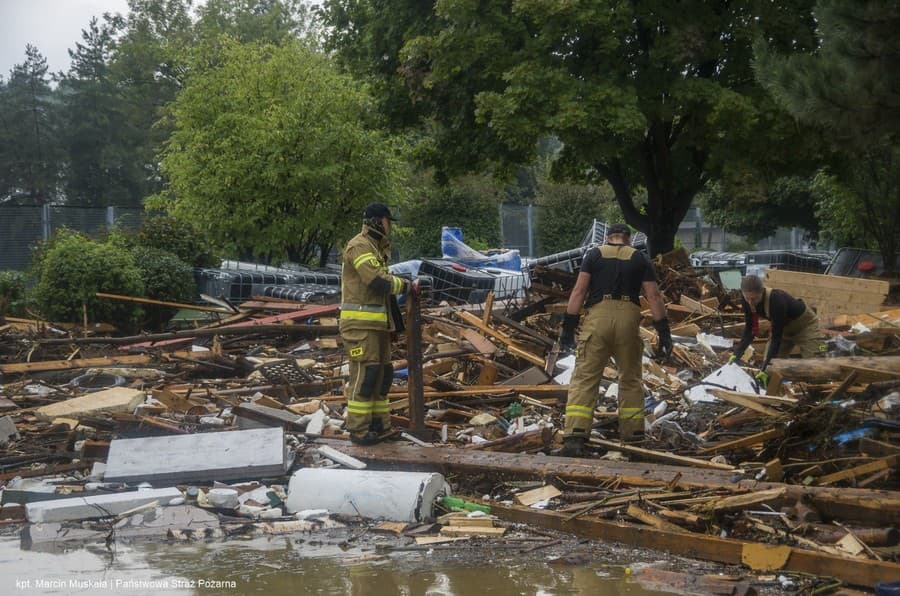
664 346
420 284
567 335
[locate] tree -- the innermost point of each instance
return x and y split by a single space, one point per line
271 152
270 21
850 89
470 203
30 122
566 211
756 210
657 96
99 141
146 68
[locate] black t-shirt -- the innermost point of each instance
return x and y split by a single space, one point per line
783 308
614 271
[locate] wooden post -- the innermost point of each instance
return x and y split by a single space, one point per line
414 365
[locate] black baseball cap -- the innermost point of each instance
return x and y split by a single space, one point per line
619 228
378 210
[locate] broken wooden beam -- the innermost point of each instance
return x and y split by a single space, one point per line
754 439
867 505
512 346
660 455
820 370
885 463
859 572
189 334
745 400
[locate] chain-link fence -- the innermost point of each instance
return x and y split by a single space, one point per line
22 226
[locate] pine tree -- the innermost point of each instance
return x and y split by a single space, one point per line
33 160
850 88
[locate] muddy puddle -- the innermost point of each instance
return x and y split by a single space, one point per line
308 565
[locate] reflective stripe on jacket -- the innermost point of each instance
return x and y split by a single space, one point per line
367 286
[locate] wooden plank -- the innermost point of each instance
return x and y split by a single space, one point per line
876 506
774 470
48 365
742 399
739 502
470 390
425 540
884 463
651 520
859 572
819 370
471 531
690 330
696 306
754 439
180 305
543 493
660 455
829 282
116 399
877 448
511 345
481 344
469 522
304 313
488 308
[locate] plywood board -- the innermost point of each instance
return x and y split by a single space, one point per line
530 497
831 295
117 399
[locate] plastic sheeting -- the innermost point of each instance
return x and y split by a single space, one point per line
453 248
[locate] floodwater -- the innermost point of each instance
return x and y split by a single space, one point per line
293 565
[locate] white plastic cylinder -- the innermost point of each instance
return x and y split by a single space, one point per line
393 496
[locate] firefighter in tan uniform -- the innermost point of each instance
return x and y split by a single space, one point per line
793 324
369 314
611 278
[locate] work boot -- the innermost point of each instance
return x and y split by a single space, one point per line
370 438
572 447
633 438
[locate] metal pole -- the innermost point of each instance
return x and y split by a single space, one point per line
46 228
530 233
414 365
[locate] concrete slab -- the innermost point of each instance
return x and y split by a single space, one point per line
182 521
230 455
117 399
94 507
8 430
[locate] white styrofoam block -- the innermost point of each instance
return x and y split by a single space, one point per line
731 376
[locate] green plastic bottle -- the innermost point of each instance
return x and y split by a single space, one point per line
457 503
514 410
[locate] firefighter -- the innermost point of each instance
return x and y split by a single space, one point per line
793 324
611 278
369 314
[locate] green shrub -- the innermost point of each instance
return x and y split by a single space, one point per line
180 238
12 293
71 268
165 277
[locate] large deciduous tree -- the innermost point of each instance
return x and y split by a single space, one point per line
657 98
272 151
850 89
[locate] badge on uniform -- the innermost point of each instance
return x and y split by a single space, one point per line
357 352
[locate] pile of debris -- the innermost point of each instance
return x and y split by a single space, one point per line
222 423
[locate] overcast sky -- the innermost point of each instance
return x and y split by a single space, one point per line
52 25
